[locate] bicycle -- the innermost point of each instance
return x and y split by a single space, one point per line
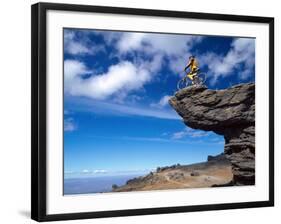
198 79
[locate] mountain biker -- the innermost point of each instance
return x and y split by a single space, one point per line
194 68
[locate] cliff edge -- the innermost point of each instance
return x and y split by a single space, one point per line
229 112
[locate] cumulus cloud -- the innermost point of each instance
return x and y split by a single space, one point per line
174 47
177 49
240 56
69 125
164 101
74 69
73 47
189 132
120 78
130 41
78 43
110 37
155 43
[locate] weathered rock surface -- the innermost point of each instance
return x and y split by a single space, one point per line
217 157
229 112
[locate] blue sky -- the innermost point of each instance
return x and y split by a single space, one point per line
117 119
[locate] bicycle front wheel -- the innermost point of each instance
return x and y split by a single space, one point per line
200 79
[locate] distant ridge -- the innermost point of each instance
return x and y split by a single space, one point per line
215 172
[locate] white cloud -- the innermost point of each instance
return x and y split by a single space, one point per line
156 43
198 134
117 82
110 37
69 124
99 171
74 69
153 65
76 48
104 108
91 172
194 140
79 45
119 79
189 132
164 101
241 55
130 41
175 47
149 139
179 135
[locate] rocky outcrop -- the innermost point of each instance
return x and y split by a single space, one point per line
229 112
220 157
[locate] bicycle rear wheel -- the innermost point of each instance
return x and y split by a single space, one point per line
182 83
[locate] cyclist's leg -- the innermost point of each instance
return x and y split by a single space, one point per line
190 76
195 72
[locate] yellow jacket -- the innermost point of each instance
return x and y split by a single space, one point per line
193 64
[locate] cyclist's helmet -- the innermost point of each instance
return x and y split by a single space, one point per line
191 57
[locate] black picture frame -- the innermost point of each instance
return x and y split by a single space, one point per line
38 108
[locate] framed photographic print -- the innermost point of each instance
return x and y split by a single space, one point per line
138 111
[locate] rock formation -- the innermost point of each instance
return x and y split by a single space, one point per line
217 157
229 112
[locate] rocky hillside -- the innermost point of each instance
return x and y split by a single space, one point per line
215 172
229 112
